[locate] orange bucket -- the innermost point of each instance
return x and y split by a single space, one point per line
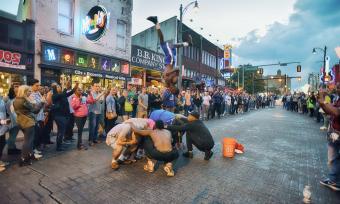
228 147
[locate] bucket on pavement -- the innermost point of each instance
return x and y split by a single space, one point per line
228 147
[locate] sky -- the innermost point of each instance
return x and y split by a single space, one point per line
11 7
261 31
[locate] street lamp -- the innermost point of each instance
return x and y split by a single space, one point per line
324 50
180 37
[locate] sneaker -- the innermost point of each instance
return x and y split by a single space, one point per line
3 164
208 155
90 144
168 169
82 147
2 168
36 151
37 156
153 19
114 165
13 151
149 167
323 128
188 154
95 141
330 184
67 142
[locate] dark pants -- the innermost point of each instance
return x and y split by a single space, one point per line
217 108
201 145
61 122
69 128
27 148
80 122
2 144
109 124
47 129
38 138
153 153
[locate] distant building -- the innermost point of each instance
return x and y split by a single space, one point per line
277 83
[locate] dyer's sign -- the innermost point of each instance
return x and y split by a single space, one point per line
95 23
145 58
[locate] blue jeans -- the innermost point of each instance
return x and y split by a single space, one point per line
94 120
334 162
13 133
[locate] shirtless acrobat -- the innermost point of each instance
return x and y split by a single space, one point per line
170 75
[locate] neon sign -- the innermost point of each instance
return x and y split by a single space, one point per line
95 23
10 57
81 60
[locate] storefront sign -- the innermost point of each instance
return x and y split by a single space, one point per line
125 68
115 77
84 73
145 58
136 81
93 62
10 60
105 64
81 60
51 54
227 56
95 23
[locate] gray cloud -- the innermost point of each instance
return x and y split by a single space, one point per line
314 24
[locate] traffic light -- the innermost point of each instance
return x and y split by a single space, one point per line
260 71
298 68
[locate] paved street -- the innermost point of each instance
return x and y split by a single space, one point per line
284 152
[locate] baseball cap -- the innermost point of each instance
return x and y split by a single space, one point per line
195 114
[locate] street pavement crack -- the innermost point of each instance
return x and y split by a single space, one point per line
50 192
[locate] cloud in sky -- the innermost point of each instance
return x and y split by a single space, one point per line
313 24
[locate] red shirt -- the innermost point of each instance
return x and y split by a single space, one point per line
335 122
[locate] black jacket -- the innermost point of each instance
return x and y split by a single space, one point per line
198 133
60 103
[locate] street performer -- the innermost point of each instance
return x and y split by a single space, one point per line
333 137
157 146
196 134
170 75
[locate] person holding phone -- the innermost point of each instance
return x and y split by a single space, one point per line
333 137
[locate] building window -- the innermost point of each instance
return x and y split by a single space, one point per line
121 33
16 36
65 16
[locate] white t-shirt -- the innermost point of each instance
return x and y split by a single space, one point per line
206 100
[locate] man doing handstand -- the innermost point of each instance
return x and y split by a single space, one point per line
170 75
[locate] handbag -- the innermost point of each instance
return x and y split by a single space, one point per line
111 115
128 107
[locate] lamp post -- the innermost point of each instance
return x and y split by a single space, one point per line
180 37
324 60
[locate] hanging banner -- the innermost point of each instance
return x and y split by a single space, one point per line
227 56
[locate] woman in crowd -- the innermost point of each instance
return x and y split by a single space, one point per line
205 107
110 110
79 104
14 128
4 126
60 110
197 100
126 105
26 111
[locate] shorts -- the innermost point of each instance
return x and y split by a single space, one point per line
170 54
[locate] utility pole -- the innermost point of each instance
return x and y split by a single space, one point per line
238 79
253 75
